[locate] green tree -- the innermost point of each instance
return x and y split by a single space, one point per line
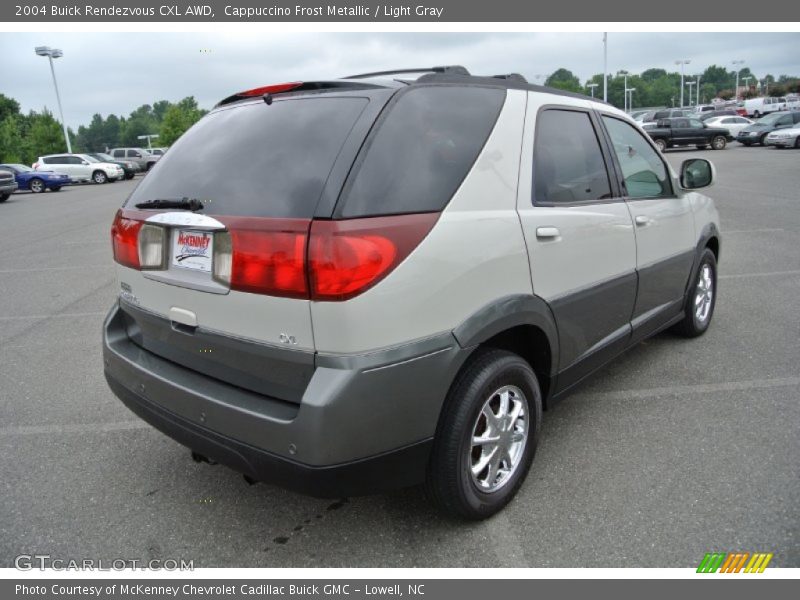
12 145
564 79
8 106
45 135
178 118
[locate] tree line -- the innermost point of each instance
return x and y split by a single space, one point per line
25 137
657 87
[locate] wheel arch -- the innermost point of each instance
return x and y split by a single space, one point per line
520 323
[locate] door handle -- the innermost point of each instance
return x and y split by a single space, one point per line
547 233
643 221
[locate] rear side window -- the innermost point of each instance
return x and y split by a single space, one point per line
568 165
421 150
256 159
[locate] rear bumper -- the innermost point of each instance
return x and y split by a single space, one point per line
364 424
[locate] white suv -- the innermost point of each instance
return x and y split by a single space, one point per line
80 167
406 273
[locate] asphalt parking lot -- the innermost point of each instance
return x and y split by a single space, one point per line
678 448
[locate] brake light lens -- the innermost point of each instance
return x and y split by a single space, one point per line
346 258
125 241
276 88
263 256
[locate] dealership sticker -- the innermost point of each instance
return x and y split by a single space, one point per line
192 249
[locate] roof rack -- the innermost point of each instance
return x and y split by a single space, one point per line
511 77
451 70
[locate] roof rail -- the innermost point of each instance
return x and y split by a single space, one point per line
512 77
452 70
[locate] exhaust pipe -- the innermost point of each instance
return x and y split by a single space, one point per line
199 458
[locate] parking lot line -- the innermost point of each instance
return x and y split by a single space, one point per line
54 316
767 274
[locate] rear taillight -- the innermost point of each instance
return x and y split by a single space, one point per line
125 241
346 258
263 256
293 258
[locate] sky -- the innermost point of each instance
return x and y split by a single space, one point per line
117 72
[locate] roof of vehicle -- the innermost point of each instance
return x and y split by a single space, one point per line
456 75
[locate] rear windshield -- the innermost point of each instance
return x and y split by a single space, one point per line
256 159
421 150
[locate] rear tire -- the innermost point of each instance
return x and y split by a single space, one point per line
719 143
700 299
495 396
100 177
756 115
797 142
36 185
763 140
56 188
5 196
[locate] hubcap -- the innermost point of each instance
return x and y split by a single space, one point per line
704 295
498 439
36 186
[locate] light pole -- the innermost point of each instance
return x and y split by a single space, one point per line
736 64
630 102
52 53
624 90
147 137
690 84
591 87
682 63
746 79
605 67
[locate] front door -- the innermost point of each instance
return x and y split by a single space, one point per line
664 224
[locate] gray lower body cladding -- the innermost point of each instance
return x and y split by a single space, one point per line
364 423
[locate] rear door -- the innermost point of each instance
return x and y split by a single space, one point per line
62 164
259 172
664 225
578 232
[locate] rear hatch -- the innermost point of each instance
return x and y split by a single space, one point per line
211 245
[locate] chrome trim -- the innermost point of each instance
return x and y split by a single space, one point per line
186 219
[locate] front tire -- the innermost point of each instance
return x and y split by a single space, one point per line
701 298
763 140
702 146
719 143
36 185
486 437
661 145
100 177
4 196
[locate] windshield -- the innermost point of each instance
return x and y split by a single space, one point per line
17 167
769 119
256 159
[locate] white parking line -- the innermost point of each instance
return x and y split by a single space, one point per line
700 388
762 274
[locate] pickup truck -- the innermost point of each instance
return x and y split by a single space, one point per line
683 131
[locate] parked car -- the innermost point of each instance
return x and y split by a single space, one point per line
670 113
784 138
758 131
8 185
349 319
710 114
684 131
80 167
130 168
142 157
37 181
157 151
734 124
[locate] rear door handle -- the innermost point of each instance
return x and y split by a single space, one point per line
547 233
641 221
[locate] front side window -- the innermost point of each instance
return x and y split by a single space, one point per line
568 165
694 123
643 169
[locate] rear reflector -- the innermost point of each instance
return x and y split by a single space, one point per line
125 240
152 246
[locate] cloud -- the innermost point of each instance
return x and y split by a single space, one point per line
115 73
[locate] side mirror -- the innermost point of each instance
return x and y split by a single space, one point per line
84 162
697 173
137 155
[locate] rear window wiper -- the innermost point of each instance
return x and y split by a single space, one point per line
179 203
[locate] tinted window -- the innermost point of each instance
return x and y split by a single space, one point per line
255 159
56 160
643 169
133 154
695 123
728 121
661 114
421 151
787 120
680 122
119 153
568 163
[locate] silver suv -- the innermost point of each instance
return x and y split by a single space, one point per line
141 157
404 273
